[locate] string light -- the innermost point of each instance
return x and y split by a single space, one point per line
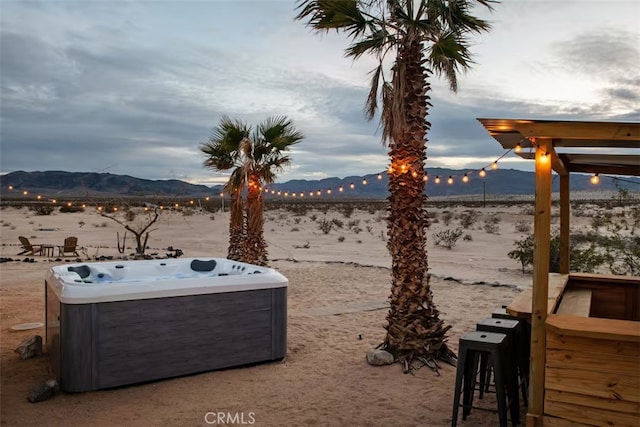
364 181
518 148
465 178
482 173
425 178
437 180
494 165
379 176
414 174
450 180
595 179
351 186
340 189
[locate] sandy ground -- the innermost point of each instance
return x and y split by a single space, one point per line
337 294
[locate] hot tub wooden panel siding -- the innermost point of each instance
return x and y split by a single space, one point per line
613 297
112 344
592 377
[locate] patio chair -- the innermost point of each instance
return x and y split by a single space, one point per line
69 247
28 248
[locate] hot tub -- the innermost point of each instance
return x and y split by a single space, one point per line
110 324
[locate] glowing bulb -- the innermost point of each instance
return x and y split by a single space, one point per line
340 189
465 178
273 191
310 193
425 178
293 194
301 194
390 170
494 165
364 181
99 208
266 190
54 201
221 194
115 209
518 148
69 204
450 180
176 205
351 186
595 179
25 192
544 158
403 168
286 194
279 193
482 173
190 202
318 192
437 180
379 176
207 198
414 174
39 197
84 206
329 191
11 187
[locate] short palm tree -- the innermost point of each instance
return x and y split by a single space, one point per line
255 157
263 156
223 154
420 36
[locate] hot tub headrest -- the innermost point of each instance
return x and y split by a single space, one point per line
83 271
198 265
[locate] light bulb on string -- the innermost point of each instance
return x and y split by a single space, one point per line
340 189
414 174
494 165
437 180
364 181
595 179
328 191
465 178
518 148
352 186
450 180
379 176
425 178
482 173
318 192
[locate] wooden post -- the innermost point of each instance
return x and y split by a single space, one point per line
565 206
540 286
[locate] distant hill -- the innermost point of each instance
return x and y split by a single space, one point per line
91 184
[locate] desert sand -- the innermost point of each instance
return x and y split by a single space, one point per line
338 286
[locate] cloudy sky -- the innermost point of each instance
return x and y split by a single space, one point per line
134 87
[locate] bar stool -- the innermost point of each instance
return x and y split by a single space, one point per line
472 346
512 329
523 355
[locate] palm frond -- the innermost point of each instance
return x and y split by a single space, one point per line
371 106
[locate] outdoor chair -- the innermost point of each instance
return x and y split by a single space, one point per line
28 248
69 247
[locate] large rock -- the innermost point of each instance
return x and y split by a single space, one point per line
30 347
377 357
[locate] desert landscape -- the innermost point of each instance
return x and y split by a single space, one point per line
337 264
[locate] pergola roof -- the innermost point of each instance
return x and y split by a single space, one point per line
575 135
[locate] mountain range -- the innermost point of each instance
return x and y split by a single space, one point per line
93 184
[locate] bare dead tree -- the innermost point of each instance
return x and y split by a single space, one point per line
141 232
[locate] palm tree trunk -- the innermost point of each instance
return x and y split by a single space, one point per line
414 330
255 245
236 227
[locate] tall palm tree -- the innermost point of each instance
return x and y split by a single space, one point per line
223 151
263 156
419 36
255 157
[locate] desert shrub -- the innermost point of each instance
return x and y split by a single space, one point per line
523 226
186 212
325 226
353 223
341 239
130 215
447 238
70 209
338 223
599 221
491 224
369 229
295 229
358 241
523 252
468 218
212 217
586 260
347 210
467 237
356 230
296 220
447 217
41 209
313 217
298 209
81 223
